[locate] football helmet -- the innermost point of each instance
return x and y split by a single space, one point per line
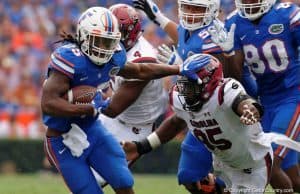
129 24
98 34
195 14
253 11
193 95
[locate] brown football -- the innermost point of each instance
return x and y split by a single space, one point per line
83 94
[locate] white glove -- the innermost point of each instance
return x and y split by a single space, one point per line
75 140
152 11
221 37
168 56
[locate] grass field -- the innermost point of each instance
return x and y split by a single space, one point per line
53 184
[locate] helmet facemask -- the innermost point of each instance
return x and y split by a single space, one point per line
253 11
189 93
100 48
193 16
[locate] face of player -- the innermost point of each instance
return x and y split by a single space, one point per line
190 91
253 6
191 11
100 44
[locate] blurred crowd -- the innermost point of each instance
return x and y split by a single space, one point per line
29 29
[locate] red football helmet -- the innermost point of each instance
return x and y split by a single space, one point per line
193 95
129 24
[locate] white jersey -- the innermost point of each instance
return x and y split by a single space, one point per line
220 129
152 101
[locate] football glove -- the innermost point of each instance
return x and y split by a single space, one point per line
99 103
152 12
168 56
221 37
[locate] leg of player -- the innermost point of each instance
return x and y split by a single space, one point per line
109 161
285 120
194 165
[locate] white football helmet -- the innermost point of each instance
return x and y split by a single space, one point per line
98 34
253 11
192 17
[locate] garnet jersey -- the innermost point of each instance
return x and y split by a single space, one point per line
271 49
70 61
220 129
198 41
151 103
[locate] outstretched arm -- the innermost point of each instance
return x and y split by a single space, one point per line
148 71
167 130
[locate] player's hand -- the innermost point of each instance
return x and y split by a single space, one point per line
99 103
193 64
250 115
130 149
152 11
168 56
221 37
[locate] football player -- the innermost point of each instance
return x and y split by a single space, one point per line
76 139
266 37
219 113
136 104
191 37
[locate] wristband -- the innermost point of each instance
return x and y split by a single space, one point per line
162 20
154 140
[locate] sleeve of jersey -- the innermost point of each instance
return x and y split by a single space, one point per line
228 92
295 22
62 61
119 58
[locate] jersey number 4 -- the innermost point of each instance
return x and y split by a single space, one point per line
272 55
208 138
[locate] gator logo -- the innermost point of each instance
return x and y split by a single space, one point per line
276 28
114 71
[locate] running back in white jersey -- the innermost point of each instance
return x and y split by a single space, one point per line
218 126
153 100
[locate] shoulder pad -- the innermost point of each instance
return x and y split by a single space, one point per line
229 90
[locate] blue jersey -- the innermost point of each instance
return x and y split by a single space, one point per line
198 41
270 49
70 61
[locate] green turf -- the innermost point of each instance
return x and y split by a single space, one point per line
53 184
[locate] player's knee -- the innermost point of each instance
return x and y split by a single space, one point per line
125 181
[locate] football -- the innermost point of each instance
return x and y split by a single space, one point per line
83 94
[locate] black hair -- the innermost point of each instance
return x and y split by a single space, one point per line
67 37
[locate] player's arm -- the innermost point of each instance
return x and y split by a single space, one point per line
123 97
154 14
234 65
52 102
167 131
249 110
148 71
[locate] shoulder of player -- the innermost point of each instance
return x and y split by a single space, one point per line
67 58
232 15
228 87
142 51
286 9
119 57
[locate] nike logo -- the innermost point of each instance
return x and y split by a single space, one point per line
62 151
243 37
